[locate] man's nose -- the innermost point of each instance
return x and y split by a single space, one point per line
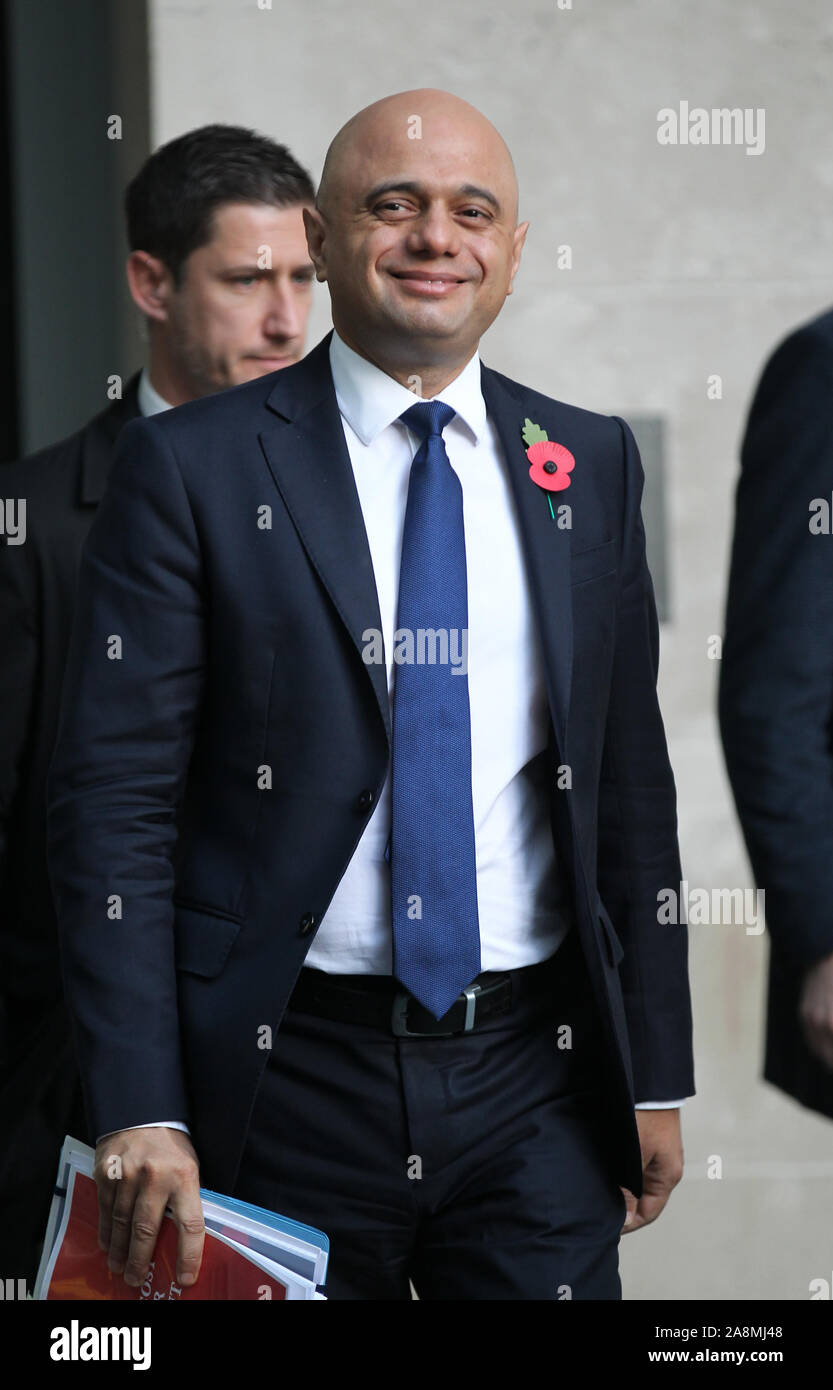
283 315
435 232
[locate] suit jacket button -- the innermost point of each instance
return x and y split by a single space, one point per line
307 923
364 800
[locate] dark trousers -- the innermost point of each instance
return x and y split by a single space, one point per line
474 1166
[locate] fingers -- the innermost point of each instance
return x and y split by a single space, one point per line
630 1210
139 1173
106 1198
660 1175
108 1173
186 1209
135 1238
649 1207
642 1212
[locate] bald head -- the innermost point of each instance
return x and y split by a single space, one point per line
444 121
415 231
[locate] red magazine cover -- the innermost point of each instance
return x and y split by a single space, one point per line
80 1267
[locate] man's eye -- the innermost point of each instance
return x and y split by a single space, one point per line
244 279
478 211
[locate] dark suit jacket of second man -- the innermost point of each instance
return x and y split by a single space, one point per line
63 485
40 1094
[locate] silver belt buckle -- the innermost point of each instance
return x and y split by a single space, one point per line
471 1006
399 1014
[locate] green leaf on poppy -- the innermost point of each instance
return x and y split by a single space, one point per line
532 434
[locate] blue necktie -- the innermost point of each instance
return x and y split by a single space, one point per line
436 935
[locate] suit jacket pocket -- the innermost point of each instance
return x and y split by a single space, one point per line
593 563
203 939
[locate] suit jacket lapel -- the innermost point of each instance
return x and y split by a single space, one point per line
308 457
547 547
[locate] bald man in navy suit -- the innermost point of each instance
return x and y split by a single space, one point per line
362 801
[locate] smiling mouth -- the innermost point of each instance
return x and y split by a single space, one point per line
423 282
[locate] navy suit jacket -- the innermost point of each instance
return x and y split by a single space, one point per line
776 684
223 594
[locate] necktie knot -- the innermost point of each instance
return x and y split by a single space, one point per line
428 417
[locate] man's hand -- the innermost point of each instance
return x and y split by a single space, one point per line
139 1172
815 1010
662 1165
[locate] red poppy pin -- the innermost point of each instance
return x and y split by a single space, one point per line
551 464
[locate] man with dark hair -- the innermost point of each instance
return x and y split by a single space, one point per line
220 269
218 260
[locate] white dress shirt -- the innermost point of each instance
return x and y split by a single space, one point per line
520 894
149 400
518 887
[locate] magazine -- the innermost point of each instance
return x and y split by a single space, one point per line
249 1253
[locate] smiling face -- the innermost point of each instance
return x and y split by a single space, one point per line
417 238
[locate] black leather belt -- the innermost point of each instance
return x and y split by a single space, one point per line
380 1001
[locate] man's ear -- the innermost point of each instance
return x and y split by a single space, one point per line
518 239
151 284
316 234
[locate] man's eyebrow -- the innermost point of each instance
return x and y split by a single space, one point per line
468 190
393 186
471 190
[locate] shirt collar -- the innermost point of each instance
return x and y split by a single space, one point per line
370 400
149 400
